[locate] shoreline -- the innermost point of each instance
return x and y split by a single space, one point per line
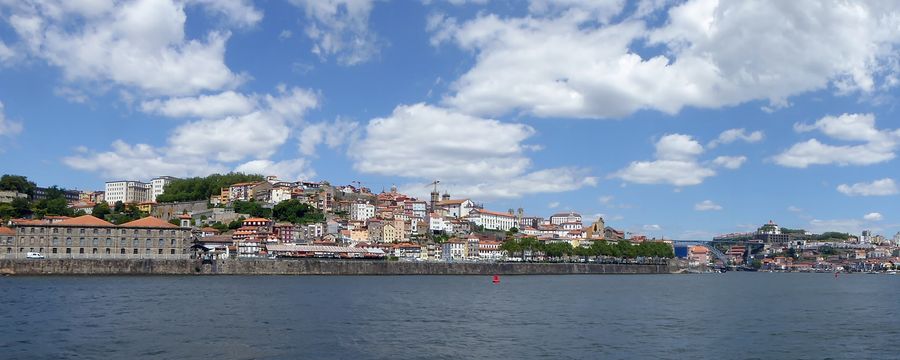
140 267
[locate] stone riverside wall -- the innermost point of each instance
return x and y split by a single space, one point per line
311 267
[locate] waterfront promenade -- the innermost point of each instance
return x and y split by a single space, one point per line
315 267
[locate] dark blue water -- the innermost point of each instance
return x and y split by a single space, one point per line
726 316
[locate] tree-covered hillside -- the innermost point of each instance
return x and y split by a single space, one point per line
201 188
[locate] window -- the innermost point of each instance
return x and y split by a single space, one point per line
68 250
9 250
55 231
81 250
107 251
94 251
135 243
149 243
109 242
160 251
122 251
82 242
81 231
173 242
162 242
172 251
68 230
95 231
53 250
135 251
123 231
147 251
96 242
108 231
68 241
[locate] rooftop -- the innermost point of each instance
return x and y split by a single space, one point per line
150 222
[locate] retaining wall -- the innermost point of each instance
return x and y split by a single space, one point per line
311 267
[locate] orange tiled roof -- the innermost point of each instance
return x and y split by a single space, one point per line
149 221
257 220
495 213
85 220
6 231
209 229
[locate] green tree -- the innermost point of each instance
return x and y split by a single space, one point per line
236 223
53 206
201 188
17 183
21 208
252 208
118 207
101 210
295 212
7 211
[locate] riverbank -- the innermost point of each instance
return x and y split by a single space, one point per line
314 267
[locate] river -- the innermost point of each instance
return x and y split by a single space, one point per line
715 316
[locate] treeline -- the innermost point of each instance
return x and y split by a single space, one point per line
292 211
201 188
54 203
622 249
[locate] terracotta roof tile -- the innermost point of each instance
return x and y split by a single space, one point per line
150 221
6 231
85 220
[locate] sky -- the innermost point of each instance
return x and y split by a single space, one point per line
676 119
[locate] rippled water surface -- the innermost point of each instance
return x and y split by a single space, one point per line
723 316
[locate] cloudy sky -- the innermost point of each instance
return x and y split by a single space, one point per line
681 119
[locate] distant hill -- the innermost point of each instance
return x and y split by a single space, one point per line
201 188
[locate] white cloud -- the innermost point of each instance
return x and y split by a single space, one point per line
879 145
139 45
285 34
606 199
873 216
553 205
676 164
707 205
730 162
241 13
332 134
793 208
881 187
340 28
288 170
205 106
198 146
652 227
732 135
8 127
6 53
478 157
140 161
572 63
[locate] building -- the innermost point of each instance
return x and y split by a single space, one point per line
597 230
40 193
454 250
698 255
562 218
457 208
279 194
492 220
158 186
127 191
87 237
362 211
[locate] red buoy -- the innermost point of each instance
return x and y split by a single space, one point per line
496 279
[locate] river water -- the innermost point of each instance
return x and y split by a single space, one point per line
716 316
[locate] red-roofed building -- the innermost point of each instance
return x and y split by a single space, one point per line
492 220
88 237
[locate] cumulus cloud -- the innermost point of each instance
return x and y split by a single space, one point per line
707 205
729 162
732 135
873 216
676 164
205 106
139 45
574 61
482 157
878 145
8 127
883 187
333 134
241 13
553 205
340 28
289 170
198 146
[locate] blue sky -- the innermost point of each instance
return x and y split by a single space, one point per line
679 119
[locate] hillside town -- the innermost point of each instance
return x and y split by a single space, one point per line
255 217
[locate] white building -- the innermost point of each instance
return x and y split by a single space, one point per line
454 250
457 208
562 218
158 185
362 211
280 194
437 223
127 191
492 220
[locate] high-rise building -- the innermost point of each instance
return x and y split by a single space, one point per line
158 185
